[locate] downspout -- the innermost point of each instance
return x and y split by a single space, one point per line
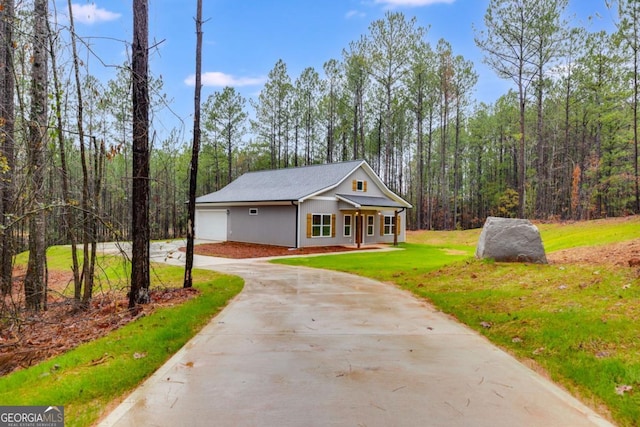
297 205
395 229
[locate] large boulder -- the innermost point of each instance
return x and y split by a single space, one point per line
510 240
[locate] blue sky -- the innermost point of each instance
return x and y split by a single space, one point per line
243 39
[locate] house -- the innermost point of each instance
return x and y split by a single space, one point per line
322 205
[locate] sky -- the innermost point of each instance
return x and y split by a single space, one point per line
243 40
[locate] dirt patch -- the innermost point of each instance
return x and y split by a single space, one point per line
239 250
625 254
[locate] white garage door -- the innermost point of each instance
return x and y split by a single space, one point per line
211 224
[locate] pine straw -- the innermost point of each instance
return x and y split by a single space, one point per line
27 337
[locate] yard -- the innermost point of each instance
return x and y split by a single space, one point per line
574 320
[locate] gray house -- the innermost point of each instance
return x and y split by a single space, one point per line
322 205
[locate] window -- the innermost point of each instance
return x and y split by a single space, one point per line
321 225
253 211
347 225
370 225
389 225
359 185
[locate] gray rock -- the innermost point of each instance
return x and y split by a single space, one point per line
510 240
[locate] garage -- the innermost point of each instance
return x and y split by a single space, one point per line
211 224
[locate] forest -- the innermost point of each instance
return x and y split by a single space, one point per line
562 144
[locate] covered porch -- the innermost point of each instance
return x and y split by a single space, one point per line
368 212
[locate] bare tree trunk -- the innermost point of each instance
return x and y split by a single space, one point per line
457 216
68 217
420 155
140 279
35 278
88 220
521 165
195 151
634 105
7 112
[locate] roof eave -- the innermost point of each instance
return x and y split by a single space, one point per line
249 203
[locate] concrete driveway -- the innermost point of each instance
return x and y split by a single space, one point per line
305 347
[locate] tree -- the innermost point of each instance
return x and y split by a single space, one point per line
306 96
603 92
387 48
7 145
549 34
446 93
195 150
509 45
464 79
629 30
225 118
330 104
90 188
357 78
140 279
271 112
571 163
35 283
69 223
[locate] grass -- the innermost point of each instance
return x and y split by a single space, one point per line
589 233
576 322
89 378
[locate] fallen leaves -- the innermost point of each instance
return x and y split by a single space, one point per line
35 337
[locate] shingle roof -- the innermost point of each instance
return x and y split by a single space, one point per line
282 184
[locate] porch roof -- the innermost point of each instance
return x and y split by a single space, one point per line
370 202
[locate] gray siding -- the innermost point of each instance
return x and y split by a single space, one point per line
339 208
273 225
315 206
359 175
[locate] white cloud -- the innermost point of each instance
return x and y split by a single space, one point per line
411 3
354 14
219 79
91 14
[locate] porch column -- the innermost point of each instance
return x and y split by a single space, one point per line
358 224
395 228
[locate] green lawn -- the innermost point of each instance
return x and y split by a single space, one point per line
578 323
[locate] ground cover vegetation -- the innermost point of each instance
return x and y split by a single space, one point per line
574 320
563 144
88 359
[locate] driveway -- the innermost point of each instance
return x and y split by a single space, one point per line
306 347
